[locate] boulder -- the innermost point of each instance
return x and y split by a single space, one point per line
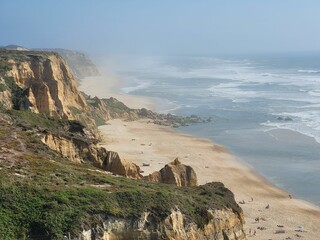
120 166
175 173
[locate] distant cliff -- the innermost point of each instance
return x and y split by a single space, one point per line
80 64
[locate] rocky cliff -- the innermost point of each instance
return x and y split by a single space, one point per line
49 84
223 224
43 83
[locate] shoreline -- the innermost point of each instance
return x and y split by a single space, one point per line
143 142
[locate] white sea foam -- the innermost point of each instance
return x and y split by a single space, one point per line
308 71
305 122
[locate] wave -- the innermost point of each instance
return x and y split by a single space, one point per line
308 71
306 122
132 84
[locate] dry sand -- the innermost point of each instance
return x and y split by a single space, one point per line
107 86
143 142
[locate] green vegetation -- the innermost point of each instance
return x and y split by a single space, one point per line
57 197
21 56
18 94
4 67
116 106
44 196
99 121
3 87
29 119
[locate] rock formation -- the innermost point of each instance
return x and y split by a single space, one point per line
43 83
111 108
51 86
223 224
115 164
80 150
175 173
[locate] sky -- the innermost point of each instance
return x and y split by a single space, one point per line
163 27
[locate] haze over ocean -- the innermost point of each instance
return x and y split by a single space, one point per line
264 109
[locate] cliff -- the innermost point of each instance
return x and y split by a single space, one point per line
57 182
222 224
79 63
43 83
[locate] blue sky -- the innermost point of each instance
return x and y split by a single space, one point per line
204 27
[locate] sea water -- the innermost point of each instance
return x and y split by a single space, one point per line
264 109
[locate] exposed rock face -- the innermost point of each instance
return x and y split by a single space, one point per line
113 163
43 83
5 99
66 147
175 173
80 150
51 86
223 224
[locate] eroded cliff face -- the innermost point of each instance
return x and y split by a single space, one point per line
223 224
51 86
80 150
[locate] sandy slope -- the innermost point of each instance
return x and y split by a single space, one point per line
143 142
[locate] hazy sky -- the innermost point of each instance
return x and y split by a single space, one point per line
163 26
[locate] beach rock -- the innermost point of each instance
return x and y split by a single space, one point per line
175 173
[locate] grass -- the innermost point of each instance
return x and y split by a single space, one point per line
4 67
53 196
99 121
29 119
57 197
3 87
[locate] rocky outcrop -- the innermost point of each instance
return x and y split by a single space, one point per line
223 224
120 166
175 173
111 108
80 150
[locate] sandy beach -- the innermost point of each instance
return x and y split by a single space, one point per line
108 85
267 209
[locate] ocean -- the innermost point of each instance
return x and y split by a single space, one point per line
265 109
